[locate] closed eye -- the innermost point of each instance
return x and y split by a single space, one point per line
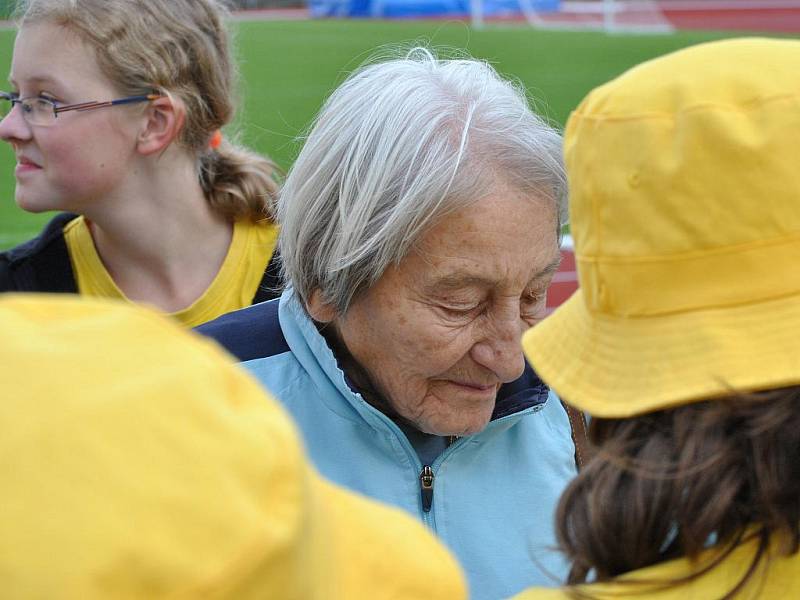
462 312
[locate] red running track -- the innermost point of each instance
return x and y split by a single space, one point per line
565 281
778 16
767 16
774 20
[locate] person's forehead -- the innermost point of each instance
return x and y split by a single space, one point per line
484 246
491 220
453 277
47 54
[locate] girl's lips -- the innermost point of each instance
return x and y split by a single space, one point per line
25 165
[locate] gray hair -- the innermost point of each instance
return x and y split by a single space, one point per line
398 145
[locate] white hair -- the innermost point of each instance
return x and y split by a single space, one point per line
399 144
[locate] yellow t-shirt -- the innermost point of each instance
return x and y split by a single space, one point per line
233 288
777 577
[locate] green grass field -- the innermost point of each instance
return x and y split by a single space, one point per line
288 68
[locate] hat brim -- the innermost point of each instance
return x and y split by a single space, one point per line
615 366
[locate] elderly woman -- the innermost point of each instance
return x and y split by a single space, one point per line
420 229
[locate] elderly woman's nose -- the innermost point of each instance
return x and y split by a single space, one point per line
500 350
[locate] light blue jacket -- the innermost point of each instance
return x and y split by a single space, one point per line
493 493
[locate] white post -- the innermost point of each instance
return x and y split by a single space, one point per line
476 12
530 13
609 15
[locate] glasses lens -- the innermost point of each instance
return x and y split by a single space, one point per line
38 111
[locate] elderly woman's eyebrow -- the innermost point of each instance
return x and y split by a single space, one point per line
460 280
549 269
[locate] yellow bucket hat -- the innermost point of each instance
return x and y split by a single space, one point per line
138 462
684 178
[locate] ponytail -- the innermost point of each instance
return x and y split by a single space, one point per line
238 183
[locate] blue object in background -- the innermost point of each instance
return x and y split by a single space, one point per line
407 9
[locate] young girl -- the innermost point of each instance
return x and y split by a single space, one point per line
682 340
114 115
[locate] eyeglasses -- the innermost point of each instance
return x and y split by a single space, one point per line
43 111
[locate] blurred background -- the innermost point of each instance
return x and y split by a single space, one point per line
293 53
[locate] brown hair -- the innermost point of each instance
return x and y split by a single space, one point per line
181 48
661 485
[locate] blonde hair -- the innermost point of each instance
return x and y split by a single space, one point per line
180 48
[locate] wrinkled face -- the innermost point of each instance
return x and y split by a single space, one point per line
440 333
83 156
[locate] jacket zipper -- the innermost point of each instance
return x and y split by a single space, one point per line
426 487
426 477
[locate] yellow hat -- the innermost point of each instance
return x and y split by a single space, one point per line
684 179
138 462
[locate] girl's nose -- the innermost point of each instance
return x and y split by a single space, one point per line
14 126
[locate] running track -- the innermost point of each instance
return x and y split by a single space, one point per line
773 16
778 16
565 281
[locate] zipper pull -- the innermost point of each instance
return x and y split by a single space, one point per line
426 487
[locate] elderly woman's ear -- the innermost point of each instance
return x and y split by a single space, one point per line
320 311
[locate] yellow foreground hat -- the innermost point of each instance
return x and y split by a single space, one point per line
684 179
137 462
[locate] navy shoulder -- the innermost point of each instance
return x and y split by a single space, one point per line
522 393
249 333
41 264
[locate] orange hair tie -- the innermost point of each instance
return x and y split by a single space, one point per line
216 140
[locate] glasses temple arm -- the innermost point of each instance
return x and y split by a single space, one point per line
95 104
